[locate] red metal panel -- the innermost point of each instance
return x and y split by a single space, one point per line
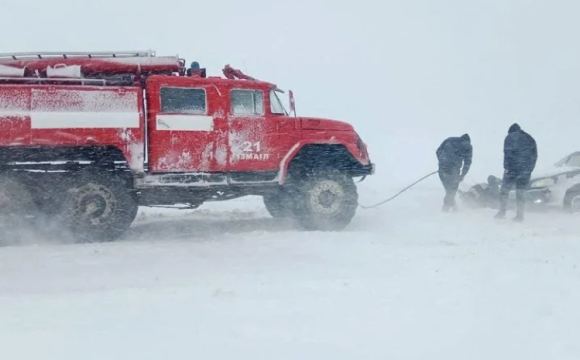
74 116
14 115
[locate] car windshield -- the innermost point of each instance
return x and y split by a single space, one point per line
572 160
276 105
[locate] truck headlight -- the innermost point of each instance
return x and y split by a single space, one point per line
543 183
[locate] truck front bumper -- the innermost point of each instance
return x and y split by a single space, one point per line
364 170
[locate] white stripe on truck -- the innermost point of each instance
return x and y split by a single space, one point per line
83 120
76 120
184 123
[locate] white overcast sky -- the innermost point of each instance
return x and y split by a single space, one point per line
406 73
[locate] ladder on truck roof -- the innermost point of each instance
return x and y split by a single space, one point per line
77 54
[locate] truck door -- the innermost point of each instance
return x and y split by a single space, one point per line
253 134
186 132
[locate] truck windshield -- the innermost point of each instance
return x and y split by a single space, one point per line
275 104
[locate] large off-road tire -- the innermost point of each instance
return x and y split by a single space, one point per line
134 211
98 207
16 207
325 201
279 204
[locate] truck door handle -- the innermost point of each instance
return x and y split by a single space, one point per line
161 122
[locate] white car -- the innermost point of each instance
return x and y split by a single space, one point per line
558 187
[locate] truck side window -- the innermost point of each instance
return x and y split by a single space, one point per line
247 102
276 106
183 100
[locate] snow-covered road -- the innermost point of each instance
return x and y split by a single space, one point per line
401 282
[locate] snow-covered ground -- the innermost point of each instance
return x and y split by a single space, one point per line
226 281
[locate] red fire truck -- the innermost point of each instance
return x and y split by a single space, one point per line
87 138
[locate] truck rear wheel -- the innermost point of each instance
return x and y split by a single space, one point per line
326 202
16 204
98 207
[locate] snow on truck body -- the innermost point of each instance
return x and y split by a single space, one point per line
133 129
33 115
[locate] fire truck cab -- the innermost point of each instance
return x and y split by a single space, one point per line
87 138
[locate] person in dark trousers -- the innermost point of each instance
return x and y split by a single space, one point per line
520 156
452 154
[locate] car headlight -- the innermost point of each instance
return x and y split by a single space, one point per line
543 183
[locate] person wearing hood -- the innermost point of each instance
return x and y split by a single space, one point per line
452 154
520 156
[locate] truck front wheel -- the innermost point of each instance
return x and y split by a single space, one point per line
326 202
98 207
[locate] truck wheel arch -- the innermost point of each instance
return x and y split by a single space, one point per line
306 155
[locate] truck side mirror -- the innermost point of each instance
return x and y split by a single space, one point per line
292 103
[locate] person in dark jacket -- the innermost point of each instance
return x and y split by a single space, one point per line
452 154
520 156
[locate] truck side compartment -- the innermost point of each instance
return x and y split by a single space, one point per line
46 126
